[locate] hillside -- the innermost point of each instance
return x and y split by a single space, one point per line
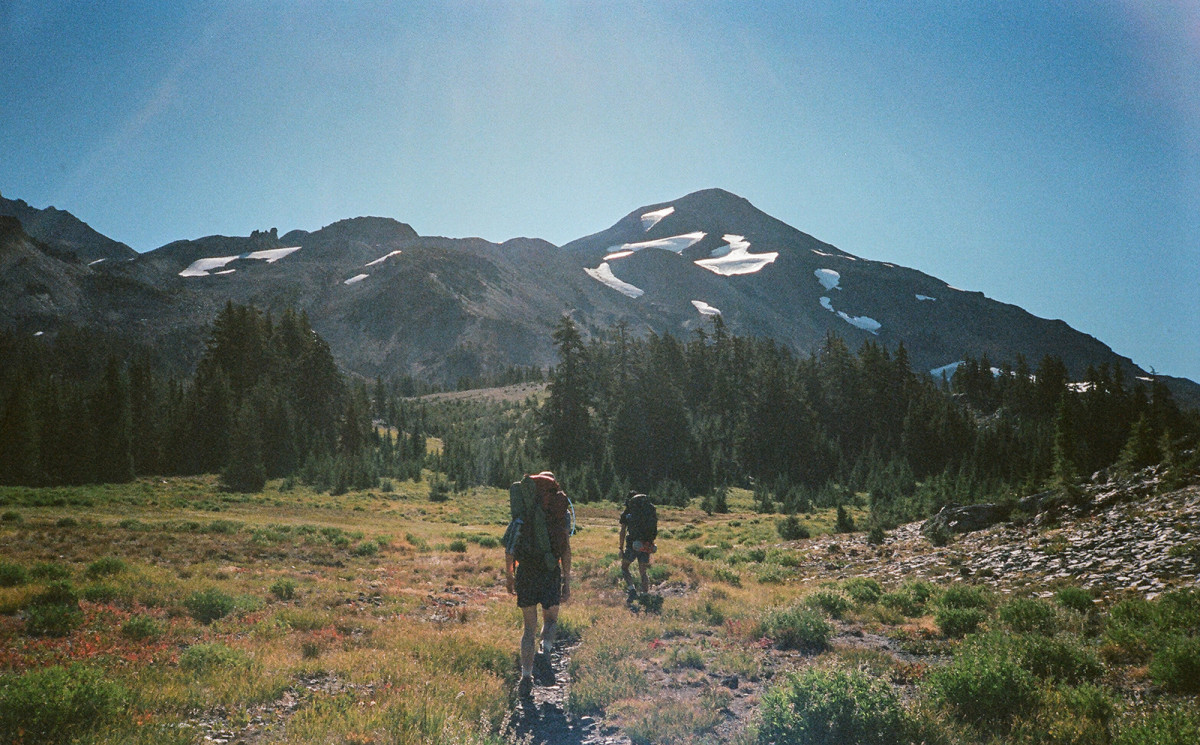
393 303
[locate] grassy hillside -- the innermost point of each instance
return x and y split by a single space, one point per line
169 611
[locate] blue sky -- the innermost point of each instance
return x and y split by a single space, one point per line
1044 153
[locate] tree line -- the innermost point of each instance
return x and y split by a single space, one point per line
676 418
687 418
267 400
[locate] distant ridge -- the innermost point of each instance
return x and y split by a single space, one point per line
391 302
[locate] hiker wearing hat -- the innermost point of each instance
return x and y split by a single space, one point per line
537 553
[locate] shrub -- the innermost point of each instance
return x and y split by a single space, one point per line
56 704
684 657
284 589
797 627
205 658
1062 658
1168 727
791 529
863 590
1069 716
964 596
728 576
831 601
458 546
11 516
1074 598
877 536
52 620
439 490
208 605
1130 628
368 548
49 571
1179 610
139 628
104 594
902 602
830 707
1176 665
54 611
105 566
958 622
66 522
12 575
1027 615
845 523
984 689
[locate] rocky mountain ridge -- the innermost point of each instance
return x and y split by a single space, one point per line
393 302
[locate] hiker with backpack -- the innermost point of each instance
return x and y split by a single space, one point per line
639 524
537 564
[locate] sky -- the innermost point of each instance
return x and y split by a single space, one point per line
1044 153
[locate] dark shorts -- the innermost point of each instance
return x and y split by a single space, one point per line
538 586
631 556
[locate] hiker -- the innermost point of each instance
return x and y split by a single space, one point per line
539 548
639 523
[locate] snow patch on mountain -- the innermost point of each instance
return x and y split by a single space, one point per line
618 255
604 275
650 219
205 267
356 278
946 370
833 256
828 278
735 258
383 258
866 323
925 297
97 261
705 309
675 243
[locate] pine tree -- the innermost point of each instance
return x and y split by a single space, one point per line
245 471
566 422
112 428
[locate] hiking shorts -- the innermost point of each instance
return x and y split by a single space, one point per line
630 555
538 586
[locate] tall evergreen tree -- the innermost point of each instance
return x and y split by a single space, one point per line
566 420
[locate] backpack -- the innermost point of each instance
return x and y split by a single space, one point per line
641 518
527 537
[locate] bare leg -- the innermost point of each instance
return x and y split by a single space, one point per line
549 628
528 639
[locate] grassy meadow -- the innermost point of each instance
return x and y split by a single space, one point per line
165 611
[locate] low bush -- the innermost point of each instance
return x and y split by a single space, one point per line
863 590
56 704
284 589
201 659
209 605
728 576
140 628
1062 658
105 566
791 529
458 546
1074 598
1176 665
831 707
964 596
54 611
1168 727
1080 715
12 575
984 689
958 622
1028 615
49 571
797 627
832 602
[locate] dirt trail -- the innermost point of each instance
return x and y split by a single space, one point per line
542 718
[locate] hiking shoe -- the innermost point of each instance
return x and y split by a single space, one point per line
525 688
542 671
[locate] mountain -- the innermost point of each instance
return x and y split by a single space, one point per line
390 301
63 231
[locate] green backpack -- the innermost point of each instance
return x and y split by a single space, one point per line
528 535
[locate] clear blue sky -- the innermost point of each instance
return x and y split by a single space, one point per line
1044 153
